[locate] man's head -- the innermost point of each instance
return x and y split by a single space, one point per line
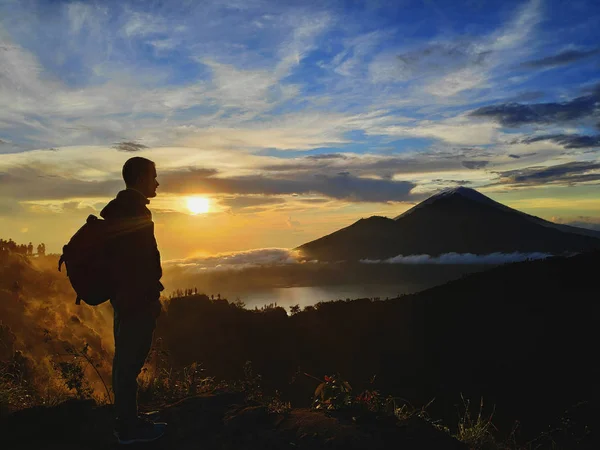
140 173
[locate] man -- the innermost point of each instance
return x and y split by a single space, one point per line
136 301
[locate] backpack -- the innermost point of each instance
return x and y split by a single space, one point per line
88 260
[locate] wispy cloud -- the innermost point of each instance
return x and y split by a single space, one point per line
257 102
457 64
128 146
568 140
143 24
568 173
517 114
561 59
241 203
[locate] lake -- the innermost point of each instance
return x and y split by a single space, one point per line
310 295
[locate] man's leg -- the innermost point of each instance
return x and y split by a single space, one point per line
133 339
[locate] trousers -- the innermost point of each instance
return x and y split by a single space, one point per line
133 340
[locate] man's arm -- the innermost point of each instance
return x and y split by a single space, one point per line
138 269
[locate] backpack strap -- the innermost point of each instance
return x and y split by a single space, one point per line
62 257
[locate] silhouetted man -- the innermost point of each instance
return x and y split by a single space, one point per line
136 301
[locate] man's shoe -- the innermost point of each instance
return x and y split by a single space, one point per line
149 415
141 431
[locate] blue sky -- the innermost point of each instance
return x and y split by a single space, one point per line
368 105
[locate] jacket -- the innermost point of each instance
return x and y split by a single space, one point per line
137 268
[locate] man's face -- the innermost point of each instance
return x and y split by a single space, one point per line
149 184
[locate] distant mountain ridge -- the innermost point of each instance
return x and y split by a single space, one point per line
460 220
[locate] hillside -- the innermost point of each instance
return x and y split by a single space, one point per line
459 220
521 336
220 421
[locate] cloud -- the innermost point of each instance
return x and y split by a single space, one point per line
452 66
243 202
121 92
264 257
129 146
460 258
572 172
519 29
314 200
302 40
432 59
517 114
567 140
291 223
33 183
522 155
10 207
96 172
327 156
246 80
342 186
459 81
455 130
350 61
474 165
303 130
560 59
143 24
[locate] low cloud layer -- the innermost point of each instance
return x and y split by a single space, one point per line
269 257
459 258
264 257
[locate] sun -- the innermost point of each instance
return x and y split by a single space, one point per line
198 205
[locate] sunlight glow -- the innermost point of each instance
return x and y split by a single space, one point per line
198 205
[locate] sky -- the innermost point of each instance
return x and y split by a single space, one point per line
294 118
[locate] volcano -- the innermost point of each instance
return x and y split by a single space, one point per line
459 220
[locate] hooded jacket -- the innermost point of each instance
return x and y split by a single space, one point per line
137 259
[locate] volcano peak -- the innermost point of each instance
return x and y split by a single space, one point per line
460 191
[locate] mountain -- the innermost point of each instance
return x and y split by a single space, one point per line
459 220
520 335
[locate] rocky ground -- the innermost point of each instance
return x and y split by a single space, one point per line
219 421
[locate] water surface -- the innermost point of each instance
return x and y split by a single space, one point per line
310 295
